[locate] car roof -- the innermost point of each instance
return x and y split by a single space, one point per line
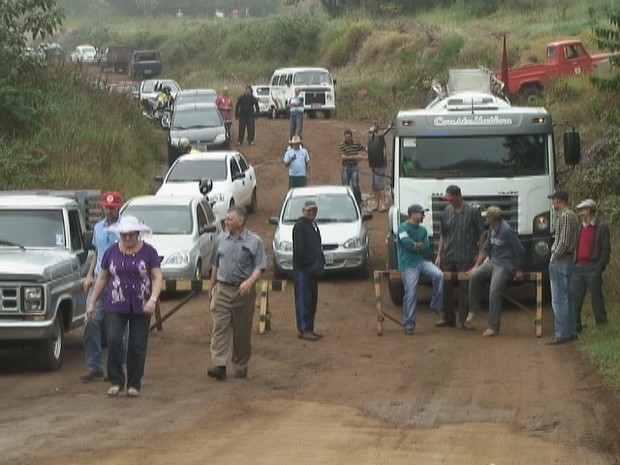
258 87
196 92
164 200
298 69
195 106
318 190
215 155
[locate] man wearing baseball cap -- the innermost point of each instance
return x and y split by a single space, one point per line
413 244
591 259
505 253
561 264
102 239
297 160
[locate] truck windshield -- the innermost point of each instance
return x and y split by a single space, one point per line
311 78
474 157
32 228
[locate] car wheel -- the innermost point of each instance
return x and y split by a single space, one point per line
277 272
50 351
366 271
253 203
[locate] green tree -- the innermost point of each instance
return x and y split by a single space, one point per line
27 18
608 38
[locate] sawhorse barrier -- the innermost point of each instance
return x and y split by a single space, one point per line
263 287
458 276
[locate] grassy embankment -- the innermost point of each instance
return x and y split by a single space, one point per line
381 66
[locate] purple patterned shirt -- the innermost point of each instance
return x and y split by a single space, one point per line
129 285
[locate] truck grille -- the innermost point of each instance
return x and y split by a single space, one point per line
508 205
9 299
315 97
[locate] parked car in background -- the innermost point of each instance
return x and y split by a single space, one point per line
127 89
190 96
343 234
84 54
201 124
115 59
53 52
184 232
262 94
144 64
234 180
148 94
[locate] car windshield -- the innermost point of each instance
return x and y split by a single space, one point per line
32 228
186 118
262 91
333 208
87 50
163 219
309 78
188 170
195 97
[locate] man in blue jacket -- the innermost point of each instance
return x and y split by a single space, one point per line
413 244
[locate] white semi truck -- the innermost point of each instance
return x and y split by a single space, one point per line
498 154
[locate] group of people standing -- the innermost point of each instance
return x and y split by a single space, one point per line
579 255
246 111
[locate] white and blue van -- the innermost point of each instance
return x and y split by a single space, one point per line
317 90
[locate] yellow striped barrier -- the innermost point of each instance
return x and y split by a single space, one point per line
262 302
458 276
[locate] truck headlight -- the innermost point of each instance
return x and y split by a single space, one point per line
541 223
32 299
177 258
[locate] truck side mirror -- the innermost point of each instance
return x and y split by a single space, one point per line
572 148
376 151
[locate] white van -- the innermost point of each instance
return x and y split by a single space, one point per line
316 85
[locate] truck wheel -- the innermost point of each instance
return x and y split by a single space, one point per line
50 351
312 114
396 288
327 114
532 95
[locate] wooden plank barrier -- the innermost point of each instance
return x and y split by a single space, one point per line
262 302
460 276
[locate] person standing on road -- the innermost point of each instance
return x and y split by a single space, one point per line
413 244
461 235
225 104
505 253
591 259
131 272
246 112
238 261
308 267
297 160
349 155
561 264
295 107
102 240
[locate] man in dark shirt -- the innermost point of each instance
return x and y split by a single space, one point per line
308 266
350 156
246 112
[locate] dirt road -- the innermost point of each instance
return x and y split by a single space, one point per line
443 396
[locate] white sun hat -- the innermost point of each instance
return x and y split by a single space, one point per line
129 224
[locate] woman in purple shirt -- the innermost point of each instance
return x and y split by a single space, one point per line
131 275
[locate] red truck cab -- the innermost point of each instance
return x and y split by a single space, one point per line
564 58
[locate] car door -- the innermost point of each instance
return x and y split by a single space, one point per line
238 184
249 180
206 217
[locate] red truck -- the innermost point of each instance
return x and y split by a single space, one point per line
564 59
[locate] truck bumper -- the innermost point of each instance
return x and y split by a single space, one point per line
25 330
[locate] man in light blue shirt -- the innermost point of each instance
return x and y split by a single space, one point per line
102 240
297 160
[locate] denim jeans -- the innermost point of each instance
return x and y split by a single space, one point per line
562 302
350 176
92 336
586 277
411 277
296 125
139 325
499 277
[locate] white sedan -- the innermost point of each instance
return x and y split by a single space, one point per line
234 179
84 54
184 232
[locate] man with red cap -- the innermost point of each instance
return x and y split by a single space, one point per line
102 239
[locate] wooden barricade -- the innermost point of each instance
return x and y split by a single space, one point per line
262 302
171 285
460 276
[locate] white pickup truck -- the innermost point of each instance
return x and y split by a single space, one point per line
44 257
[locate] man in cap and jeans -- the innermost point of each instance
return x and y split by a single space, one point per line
461 235
102 239
413 244
591 259
561 265
297 160
505 253
308 267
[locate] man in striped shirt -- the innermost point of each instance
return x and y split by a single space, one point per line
349 155
561 266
